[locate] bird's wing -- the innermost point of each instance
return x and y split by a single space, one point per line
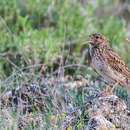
116 62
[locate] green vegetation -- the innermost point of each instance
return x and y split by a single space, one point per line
50 33
36 30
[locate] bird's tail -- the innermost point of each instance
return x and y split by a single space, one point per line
128 86
126 83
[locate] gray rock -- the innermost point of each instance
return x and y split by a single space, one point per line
99 123
112 109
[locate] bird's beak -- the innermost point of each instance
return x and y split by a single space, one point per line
86 42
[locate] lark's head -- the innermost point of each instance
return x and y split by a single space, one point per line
96 39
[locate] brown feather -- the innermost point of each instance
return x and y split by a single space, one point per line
116 62
107 63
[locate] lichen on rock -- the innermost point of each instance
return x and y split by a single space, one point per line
108 110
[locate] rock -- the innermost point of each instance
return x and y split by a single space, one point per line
100 123
106 106
112 109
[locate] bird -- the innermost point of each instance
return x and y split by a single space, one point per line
108 64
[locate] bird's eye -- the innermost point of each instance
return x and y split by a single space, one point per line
97 37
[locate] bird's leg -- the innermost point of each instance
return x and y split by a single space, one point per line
105 92
114 86
108 87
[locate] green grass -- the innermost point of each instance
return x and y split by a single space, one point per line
39 36
39 32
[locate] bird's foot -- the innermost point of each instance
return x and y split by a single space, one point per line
106 91
113 88
103 93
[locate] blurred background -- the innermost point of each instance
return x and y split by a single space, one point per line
41 31
41 44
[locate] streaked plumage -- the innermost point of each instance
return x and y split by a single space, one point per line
107 63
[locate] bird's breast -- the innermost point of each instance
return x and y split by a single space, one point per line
101 67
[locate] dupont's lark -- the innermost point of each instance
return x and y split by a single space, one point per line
107 63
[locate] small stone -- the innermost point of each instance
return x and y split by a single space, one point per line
99 123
